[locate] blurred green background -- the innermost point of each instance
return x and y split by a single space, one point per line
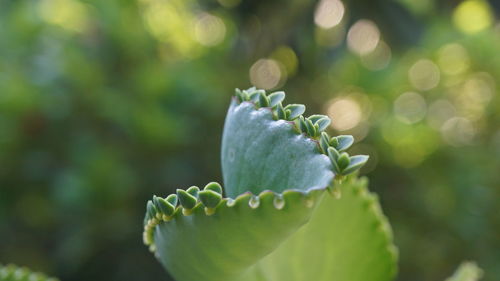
105 103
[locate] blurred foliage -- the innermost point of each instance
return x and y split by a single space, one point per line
103 103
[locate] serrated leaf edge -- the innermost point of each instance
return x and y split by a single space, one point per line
280 201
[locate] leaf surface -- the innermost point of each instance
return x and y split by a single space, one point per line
221 246
260 153
346 239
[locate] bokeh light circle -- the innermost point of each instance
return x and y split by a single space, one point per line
363 37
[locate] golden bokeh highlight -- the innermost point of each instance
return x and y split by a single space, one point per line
209 30
71 15
329 13
172 22
458 131
453 59
472 16
439 112
424 75
474 95
479 88
363 37
345 113
410 108
184 30
266 74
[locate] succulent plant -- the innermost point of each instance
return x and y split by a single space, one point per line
292 208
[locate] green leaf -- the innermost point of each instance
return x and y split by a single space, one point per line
263 100
295 110
164 206
343 161
302 124
214 186
333 154
276 98
223 245
172 199
316 117
210 198
193 190
280 111
14 273
151 210
323 123
239 95
254 94
468 271
346 239
311 130
324 142
343 142
260 153
321 120
356 162
187 200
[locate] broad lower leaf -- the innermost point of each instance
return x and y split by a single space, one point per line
220 244
346 239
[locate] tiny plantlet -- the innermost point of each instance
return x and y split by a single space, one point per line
292 207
